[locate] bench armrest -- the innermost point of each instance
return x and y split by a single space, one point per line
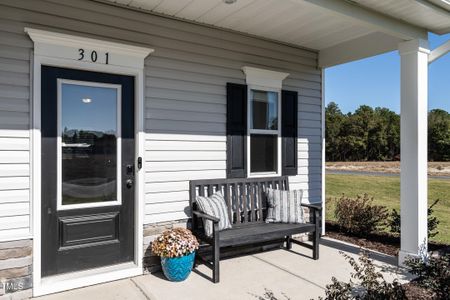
205 216
312 206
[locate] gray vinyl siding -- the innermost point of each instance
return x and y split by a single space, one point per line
185 99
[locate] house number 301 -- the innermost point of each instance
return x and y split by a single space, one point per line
92 56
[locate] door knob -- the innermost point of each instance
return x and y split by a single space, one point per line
129 183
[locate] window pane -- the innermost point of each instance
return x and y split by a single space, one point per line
264 106
263 153
89 144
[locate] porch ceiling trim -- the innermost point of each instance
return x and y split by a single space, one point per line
366 46
370 18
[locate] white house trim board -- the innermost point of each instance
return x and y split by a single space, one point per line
59 45
323 166
413 148
439 52
251 131
264 78
62 50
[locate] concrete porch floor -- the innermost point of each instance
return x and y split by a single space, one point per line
290 273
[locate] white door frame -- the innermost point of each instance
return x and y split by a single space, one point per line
62 50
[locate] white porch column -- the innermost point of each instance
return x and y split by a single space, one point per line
414 150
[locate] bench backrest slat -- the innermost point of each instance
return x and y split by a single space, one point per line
244 202
245 197
250 201
228 201
237 206
260 204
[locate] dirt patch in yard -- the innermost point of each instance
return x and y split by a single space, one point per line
383 242
415 292
392 167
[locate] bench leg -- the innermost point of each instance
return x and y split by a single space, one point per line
316 234
216 257
289 242
316 238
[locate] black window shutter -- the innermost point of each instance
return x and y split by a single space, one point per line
236 130
289 132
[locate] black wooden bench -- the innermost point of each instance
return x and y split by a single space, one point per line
247 206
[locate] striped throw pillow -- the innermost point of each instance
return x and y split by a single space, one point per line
215 206
284 206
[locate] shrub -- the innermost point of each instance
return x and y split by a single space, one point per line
370 283
433 222
359 216
433 274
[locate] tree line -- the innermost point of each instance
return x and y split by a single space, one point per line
371 134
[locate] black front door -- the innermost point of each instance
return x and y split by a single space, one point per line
88 170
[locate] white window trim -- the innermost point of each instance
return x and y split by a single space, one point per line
251 131
59 50
270 81
118 201
267 79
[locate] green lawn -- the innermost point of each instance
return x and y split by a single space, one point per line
386 191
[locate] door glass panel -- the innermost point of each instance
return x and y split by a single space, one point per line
263 153
264 110
89 143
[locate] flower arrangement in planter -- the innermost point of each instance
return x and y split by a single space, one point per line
176 247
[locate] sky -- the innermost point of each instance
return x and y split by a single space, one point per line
375 81
89 108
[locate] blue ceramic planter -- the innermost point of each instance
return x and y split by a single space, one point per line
178 268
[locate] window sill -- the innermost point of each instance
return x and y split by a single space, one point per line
263 174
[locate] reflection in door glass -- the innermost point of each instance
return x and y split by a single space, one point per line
89 143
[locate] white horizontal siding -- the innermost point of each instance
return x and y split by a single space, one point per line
14 222
14 170
14 196
14 209
185 145
16 156
174 166
14 183
168 197
10 143
181 155
183 175
165 187
164 216
185 98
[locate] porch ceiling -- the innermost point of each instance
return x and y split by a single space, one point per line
323 25
273 19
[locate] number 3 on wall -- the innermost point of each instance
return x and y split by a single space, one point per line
93 57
